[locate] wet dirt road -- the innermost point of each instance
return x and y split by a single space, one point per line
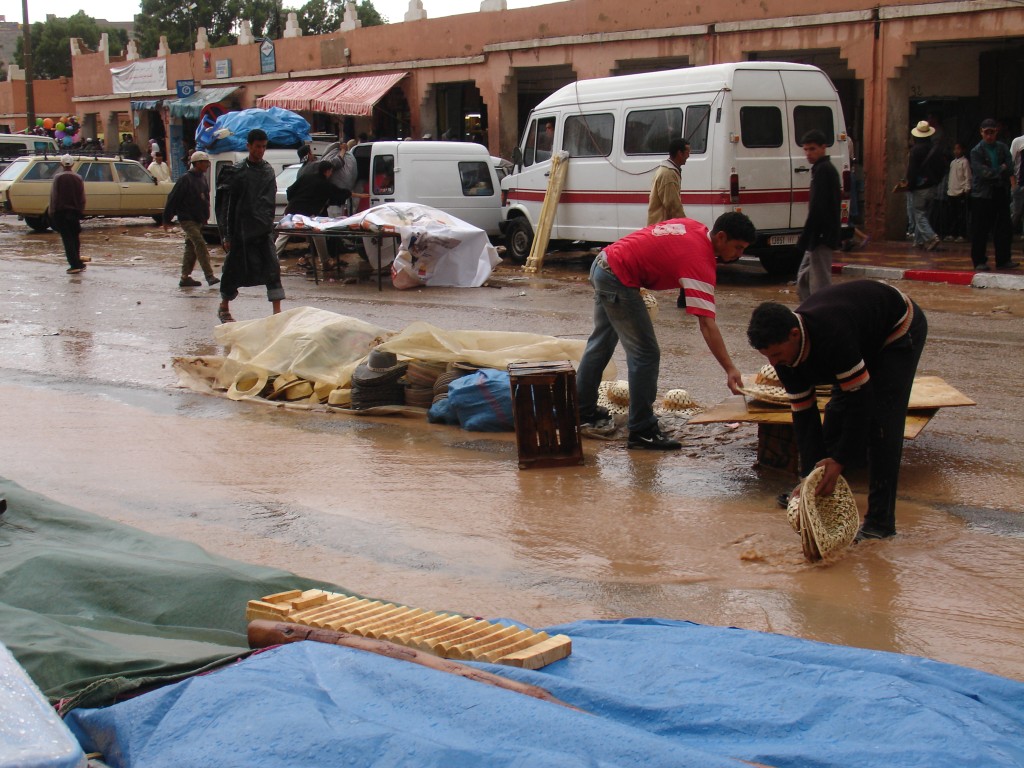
442 519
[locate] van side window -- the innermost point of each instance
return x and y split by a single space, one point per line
476 178
530 152
696 131
589 135
761 127
810 118
649 131
545 138
383 175
42 171
11 149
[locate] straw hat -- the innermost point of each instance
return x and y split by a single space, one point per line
248 383
614 395
290 387
767 388
678 400
922 130
827 524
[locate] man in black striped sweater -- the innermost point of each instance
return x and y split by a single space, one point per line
865 338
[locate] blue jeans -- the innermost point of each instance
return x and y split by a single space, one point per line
922 198
620 315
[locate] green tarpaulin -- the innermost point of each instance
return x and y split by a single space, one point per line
93 609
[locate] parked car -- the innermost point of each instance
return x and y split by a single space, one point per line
14 145
113 187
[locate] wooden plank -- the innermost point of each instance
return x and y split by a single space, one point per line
540 655
556 181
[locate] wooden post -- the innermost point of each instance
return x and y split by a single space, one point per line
559 168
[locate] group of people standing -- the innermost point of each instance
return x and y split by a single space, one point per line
975 194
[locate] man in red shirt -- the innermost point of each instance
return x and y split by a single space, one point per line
665 256
67 205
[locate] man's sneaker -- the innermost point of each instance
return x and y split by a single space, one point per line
211 280
933 244
75 270
652 440
188 282
599 416
1008 265
868 534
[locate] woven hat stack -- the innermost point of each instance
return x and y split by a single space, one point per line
826 524
767 387
290 387
378 381
453 372
419 381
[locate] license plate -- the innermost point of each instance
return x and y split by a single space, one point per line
783 239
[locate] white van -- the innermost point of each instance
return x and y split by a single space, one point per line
453 176
279 159
14 145
744 122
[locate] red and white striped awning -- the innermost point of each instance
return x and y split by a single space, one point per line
356 95
297 95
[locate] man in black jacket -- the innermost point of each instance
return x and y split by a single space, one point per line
865 338
925 170
246 194
310 194
821 235
189 200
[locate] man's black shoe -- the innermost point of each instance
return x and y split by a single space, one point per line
599 415
653 440
866 534
1008 265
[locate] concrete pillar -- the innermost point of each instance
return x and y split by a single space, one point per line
291 27
111 135
132 54
415 12
202 41
163 50
493 5
245 33
14 72
351 20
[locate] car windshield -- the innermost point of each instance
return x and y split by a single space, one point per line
13 170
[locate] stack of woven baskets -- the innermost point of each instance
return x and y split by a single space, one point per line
378 381
420 380
826 524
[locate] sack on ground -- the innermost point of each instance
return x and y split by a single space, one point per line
483 401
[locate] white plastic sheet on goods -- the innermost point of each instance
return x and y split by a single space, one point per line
436 248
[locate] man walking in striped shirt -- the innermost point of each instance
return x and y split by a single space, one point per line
665 256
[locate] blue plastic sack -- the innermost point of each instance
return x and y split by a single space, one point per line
285 129
441 413
483 401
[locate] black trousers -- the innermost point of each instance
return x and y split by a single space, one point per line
892 377
69 225
991 215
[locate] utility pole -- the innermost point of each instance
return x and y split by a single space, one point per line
30 102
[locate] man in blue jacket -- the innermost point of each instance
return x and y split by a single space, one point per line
991 169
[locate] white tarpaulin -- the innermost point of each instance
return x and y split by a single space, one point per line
140 76
436 248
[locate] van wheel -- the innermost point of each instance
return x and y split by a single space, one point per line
38 223
518 239
782 262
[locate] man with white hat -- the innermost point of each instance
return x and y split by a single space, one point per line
190 201
67 206
925 170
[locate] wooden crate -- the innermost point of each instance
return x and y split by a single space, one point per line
546 415
447 635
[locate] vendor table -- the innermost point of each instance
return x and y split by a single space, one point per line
776 445
375 238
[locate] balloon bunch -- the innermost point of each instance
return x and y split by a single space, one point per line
65 130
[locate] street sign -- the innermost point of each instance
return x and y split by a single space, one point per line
268 60
185 88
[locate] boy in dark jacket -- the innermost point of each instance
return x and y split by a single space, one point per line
821 233
189 200
310 194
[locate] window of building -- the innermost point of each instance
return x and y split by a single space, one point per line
813 118
588 135
649 131
761 127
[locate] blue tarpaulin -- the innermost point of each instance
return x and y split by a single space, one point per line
653 693
283 127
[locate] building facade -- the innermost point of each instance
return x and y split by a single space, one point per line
476 76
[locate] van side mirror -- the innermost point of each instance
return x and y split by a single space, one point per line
517 156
